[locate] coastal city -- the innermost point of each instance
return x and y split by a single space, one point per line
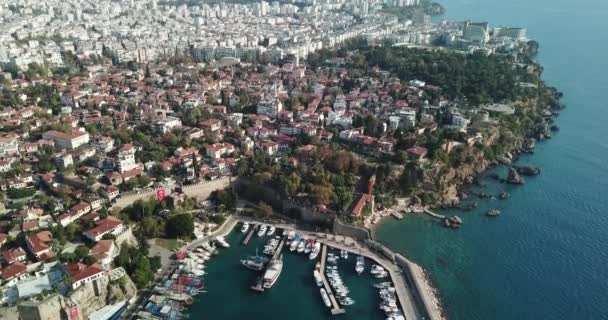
143 140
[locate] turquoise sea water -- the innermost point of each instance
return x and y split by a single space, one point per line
546 256
294 296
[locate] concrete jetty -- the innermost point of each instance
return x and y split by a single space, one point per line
259 286
335 307
433 214
249 235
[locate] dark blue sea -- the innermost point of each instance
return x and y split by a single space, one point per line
546 256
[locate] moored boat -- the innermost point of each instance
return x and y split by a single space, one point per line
273 272
271 230
343 254
316 248
325 298
317 276
301 246
360 266
245 227
222 242
262 231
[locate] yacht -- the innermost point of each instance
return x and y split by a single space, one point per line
271 231
245 227
360 266
316 248
255 263
325 298
347 301
222 242
262 230
273 272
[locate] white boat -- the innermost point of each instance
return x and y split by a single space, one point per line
245 227
318 280
316 248
273 272
376 269
271 231
325 298
294 244
344 254
360 266
308 248
222 242
301 246
262 230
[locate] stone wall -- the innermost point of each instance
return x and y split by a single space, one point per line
415 278
52 307
200 190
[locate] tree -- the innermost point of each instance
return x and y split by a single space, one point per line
264 210
89 260
81 252
108 236
155 262
142 273
180 225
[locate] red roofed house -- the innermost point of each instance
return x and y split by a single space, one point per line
81 273
39 245
14 255
108 225
416 153
363 200
104 251
13 273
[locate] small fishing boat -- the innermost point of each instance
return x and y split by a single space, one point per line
245 227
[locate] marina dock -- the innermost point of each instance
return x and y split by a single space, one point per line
259 286
249 235
335 307
433 214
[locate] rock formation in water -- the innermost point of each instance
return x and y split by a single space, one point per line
514 177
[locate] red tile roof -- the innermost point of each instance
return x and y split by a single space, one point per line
13 254
79 271
13 270
104 226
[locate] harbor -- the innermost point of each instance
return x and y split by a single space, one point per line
284 272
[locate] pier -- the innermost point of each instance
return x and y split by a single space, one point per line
335 307
249 235
259 286
433 214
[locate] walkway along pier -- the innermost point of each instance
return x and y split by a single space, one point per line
277 254
433 214
249 235
335 307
